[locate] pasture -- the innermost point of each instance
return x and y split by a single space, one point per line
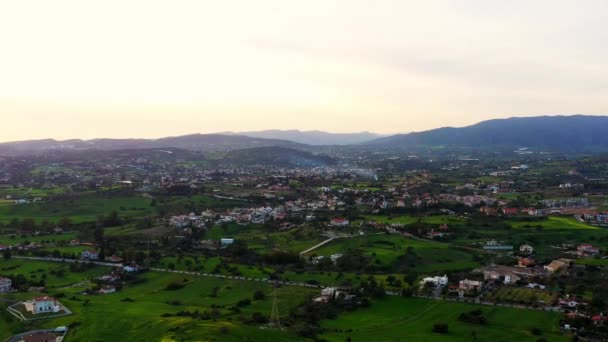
412 319
389 250
203 309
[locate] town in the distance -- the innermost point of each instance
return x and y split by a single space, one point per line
491 232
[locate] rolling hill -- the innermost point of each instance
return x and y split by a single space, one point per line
194 142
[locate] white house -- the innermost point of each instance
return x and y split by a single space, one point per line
526 249
45 305
131 268
90 255
5 285
226 242
437 281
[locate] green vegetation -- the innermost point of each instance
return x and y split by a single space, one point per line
394 319
201 309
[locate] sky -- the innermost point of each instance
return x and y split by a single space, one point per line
151 68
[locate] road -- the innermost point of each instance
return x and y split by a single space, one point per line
319 245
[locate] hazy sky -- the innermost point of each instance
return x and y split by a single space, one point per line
150 68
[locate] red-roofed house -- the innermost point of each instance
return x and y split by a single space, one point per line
587 249
339 222
45 304
510 211
525 262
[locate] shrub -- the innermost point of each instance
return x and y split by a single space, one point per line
440 328
173 286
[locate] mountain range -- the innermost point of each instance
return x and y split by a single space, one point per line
576 133
193 142
312 137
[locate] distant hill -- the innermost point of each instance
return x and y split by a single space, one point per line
576 133
276 156
313 137
194 142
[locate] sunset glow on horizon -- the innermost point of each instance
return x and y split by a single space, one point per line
148 69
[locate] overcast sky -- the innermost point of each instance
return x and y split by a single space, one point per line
125 68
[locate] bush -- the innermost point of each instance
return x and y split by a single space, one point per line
173 286
259 295
473 317
440 328
243 303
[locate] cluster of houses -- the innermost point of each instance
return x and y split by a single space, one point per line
595 217
259 215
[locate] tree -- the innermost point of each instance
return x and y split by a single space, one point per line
259 295
7 254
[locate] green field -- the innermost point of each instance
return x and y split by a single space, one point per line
55 275
386 249
261 238
407 219
81 209
55 238
552 222
412 319
110 318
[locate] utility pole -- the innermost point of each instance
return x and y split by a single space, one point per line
275 317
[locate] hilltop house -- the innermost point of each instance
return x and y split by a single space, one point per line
45 304
5 285
90 255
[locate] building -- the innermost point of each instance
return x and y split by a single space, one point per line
526 262
45 304
526 249
226 242
107 289
131 268
587 249
39 337
510 211
557 265
468 286
508 274
90 255
339 222
497 246
437 281
5 285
